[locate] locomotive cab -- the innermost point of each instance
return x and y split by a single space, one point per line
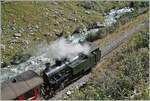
55 77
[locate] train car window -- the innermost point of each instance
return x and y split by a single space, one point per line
83 56
58 76
63 72
52 80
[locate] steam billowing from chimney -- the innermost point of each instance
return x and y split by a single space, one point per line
61 48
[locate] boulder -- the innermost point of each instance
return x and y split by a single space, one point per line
3 46
36 26
68 92
55 3
31 33
87 12
17 35
14 41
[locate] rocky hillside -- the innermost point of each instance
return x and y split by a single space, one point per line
25 24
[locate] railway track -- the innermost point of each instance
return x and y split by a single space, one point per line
125 37
105 51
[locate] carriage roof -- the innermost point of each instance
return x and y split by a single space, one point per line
19 85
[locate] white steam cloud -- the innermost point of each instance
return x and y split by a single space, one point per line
61 48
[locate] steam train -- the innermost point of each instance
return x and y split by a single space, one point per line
30 85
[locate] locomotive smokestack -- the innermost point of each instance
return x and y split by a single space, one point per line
58 62
47 65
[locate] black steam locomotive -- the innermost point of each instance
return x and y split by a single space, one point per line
30 85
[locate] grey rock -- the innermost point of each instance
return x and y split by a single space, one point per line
57 23
67 32
11 47
26 42
46 34
19 31
31 33
30 28
14 41
46 13
68 92
56 12
12 28
74 19
8 66
17 35
47 9
87 4
55 3
55 16
36 26
51 35
65 97
55 30
22 29
36 39
3 28
87 12
70 18
64 19
75 12
46 24
34 30
3 46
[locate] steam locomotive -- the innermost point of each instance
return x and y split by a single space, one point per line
30 85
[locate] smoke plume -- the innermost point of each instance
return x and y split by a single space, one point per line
61 48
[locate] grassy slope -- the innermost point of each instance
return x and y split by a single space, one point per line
124 75
38 21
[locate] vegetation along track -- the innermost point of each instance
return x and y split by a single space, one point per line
105 51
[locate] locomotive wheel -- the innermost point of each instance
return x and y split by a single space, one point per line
47 92
49 95
52 93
